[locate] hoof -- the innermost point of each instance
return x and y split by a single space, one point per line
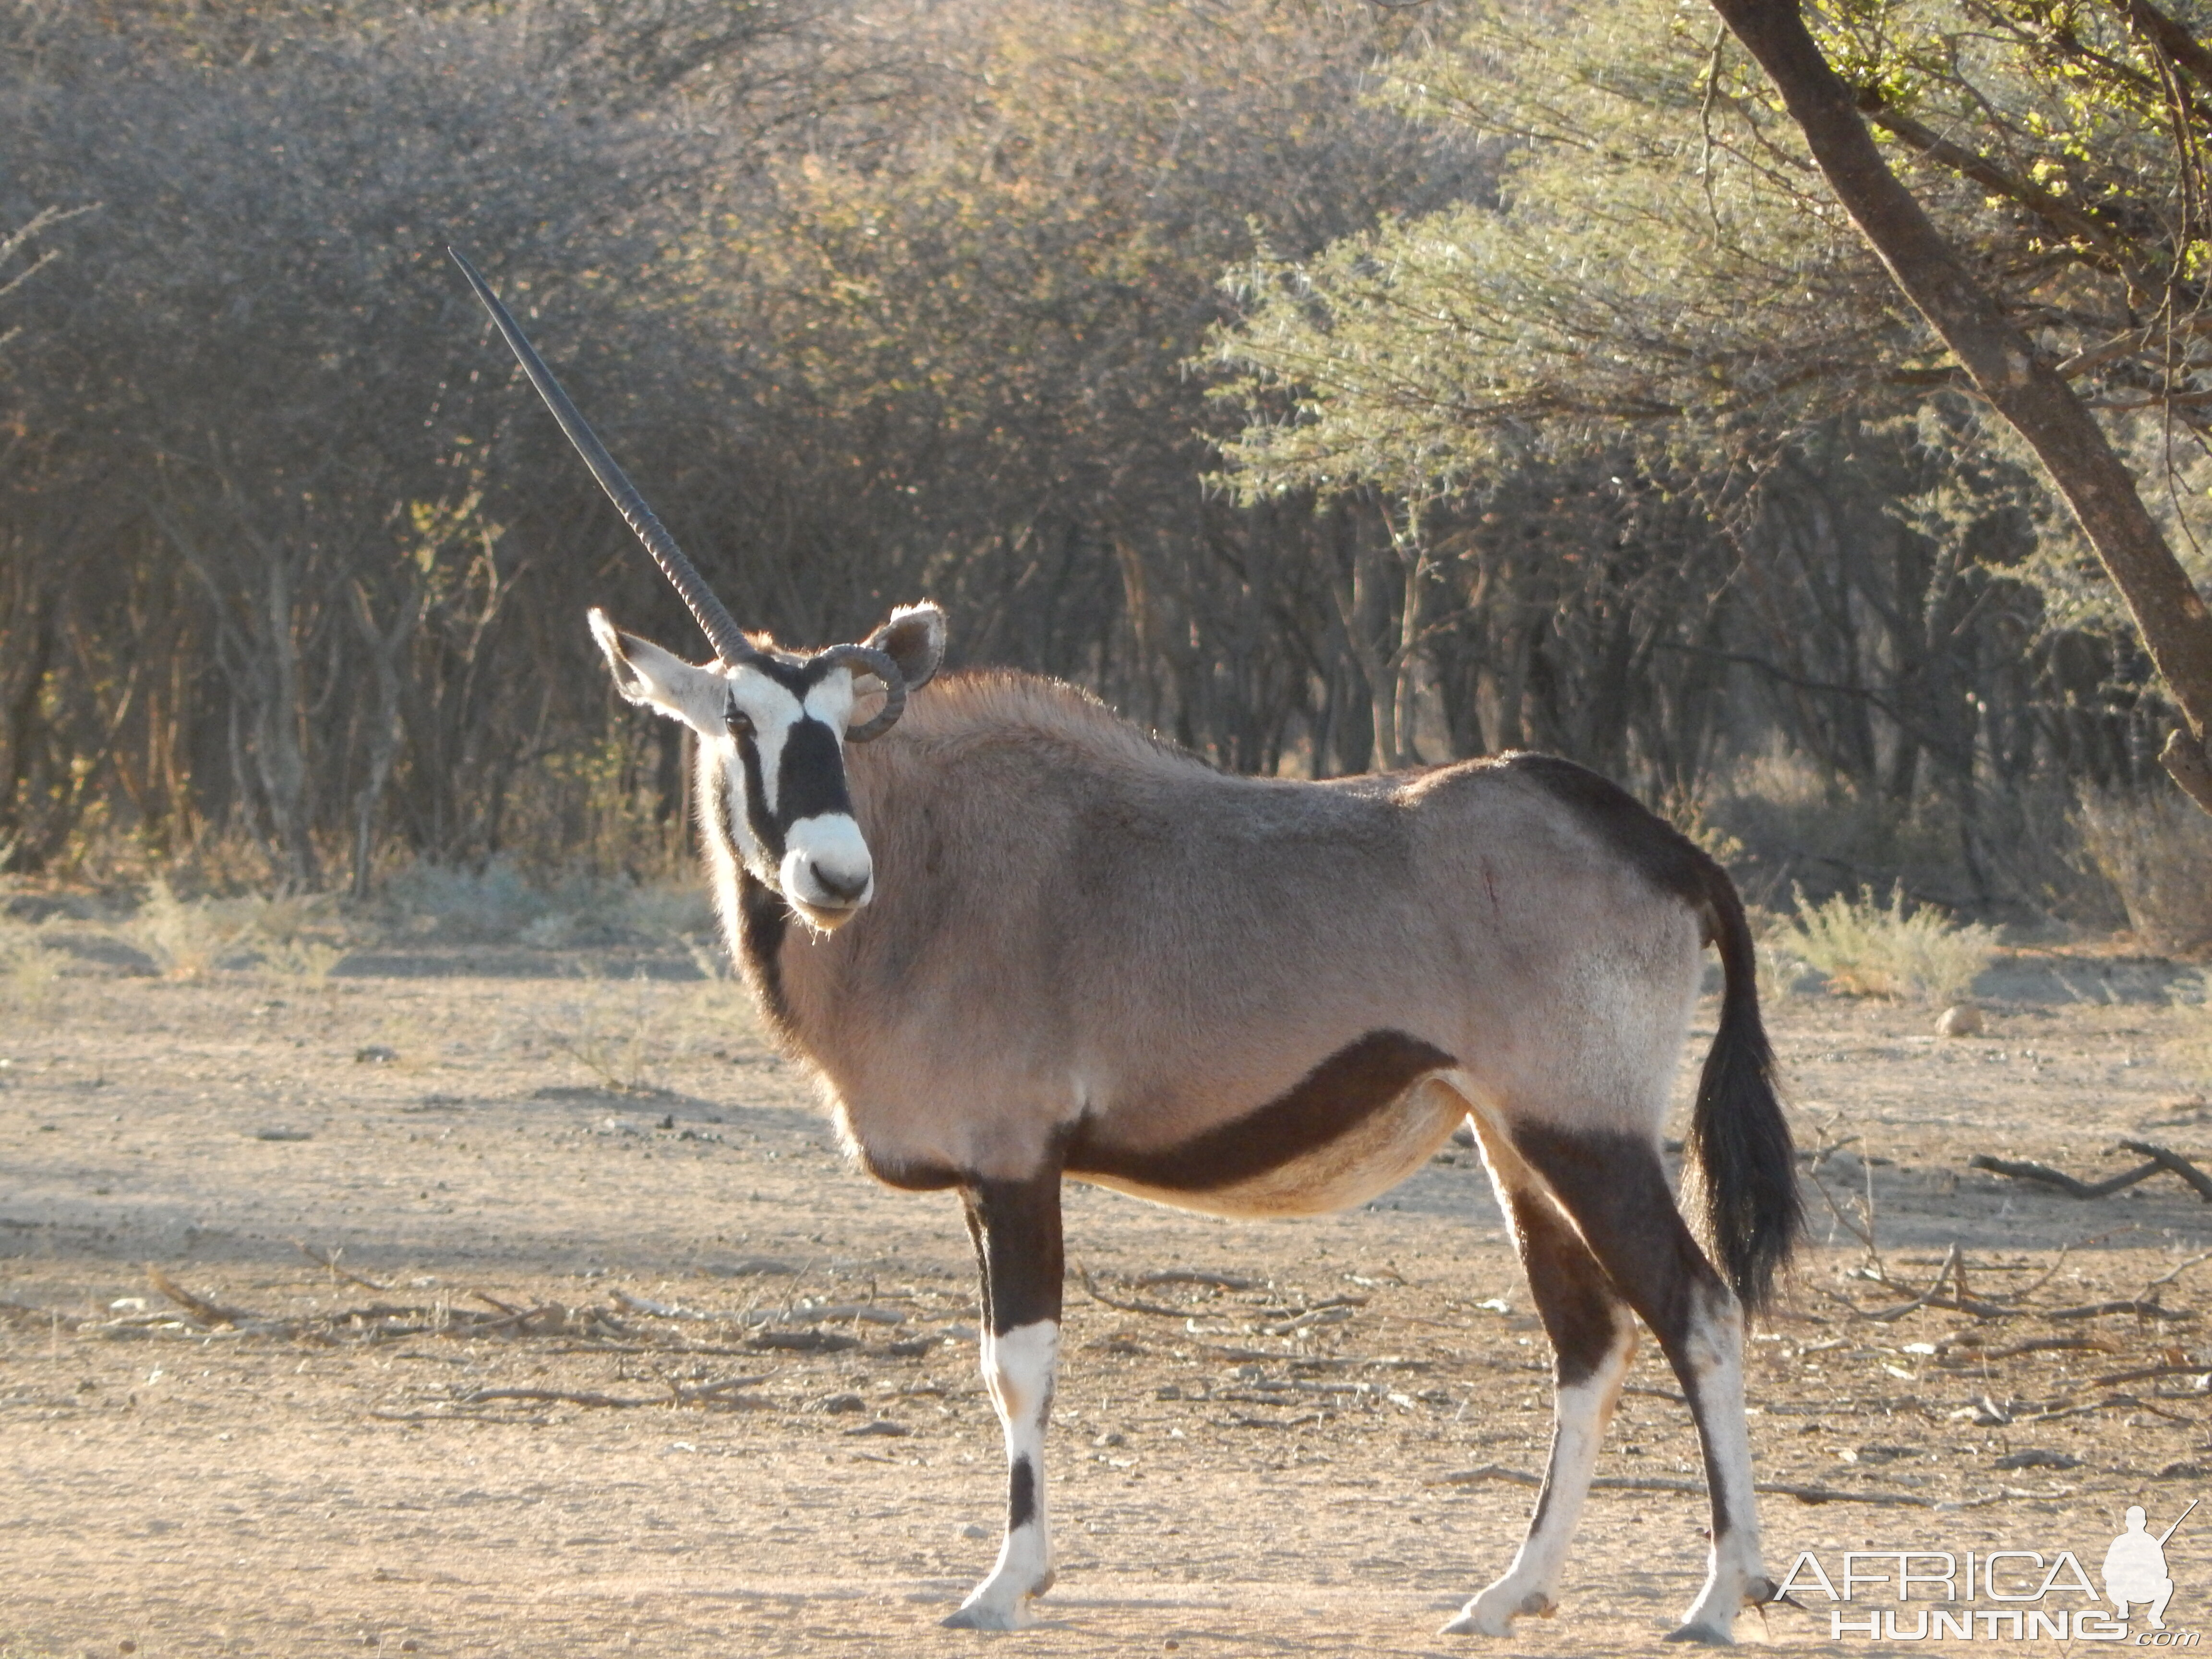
1490 1615
980 1615
1704 1635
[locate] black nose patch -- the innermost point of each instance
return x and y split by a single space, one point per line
814 775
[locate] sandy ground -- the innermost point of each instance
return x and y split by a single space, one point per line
538 1407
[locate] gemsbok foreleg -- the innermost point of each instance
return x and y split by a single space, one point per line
1016 1227
1614 1188
1593 1339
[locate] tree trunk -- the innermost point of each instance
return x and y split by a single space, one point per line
387 649
2004 367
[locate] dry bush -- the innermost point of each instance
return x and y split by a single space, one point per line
29 975
1869 950
186 939
500 903
2156 851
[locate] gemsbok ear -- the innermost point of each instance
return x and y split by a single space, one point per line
660 680
913 638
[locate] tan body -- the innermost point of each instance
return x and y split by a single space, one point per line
1258 926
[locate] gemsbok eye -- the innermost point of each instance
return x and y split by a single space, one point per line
740 723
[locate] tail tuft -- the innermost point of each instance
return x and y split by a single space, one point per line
1739 1141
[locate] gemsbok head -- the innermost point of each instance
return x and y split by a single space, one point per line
1020 941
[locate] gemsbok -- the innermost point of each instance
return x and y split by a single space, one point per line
1021 941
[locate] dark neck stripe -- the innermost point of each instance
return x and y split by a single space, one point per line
763 919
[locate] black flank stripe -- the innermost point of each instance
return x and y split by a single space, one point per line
1357 1081
1021 1495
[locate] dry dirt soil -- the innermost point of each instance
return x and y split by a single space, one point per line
501 1303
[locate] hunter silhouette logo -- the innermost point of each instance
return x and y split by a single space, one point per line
2135 1567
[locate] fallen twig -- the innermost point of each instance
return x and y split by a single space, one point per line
2027 1169
210 1314
806 1341
2166 1158
688 1394
1884 1315
329 1260
554 1396
445 1417
2146 1373
1130 1305
2168 1278
1199 1276
2135 1305
2033 1345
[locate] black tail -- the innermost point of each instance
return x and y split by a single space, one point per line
1739 1141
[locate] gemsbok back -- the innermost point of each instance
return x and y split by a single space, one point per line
1021 941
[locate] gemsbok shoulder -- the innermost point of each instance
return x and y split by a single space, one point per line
1021 942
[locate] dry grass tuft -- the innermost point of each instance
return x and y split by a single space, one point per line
29 975
1867 949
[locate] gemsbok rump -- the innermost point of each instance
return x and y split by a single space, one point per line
1021 941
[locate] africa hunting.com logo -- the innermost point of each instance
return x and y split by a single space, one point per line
2019 1585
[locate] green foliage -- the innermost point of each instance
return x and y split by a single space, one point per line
1661 255
1656 258
1869 950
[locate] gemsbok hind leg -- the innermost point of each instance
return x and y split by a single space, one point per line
1016 1227
1614 1188
1593 1339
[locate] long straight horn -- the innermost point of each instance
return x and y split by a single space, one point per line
721 629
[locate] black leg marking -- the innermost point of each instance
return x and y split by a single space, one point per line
1021 1494
1584 1315
1016 1226
1615 1189
1580 1310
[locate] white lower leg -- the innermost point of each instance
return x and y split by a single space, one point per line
1735 1574
1018 1369
1580 1411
